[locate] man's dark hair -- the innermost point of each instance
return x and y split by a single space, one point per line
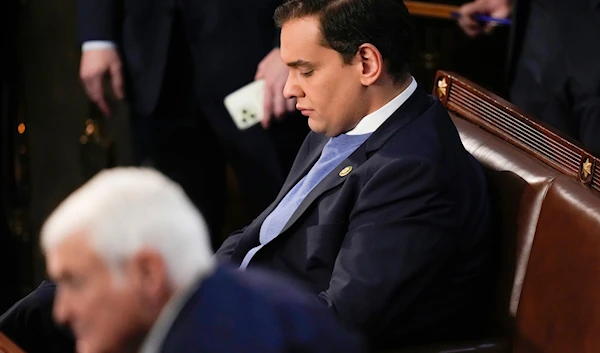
347 24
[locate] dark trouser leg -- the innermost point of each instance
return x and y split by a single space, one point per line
548 83
539 85
189 154
178 141
260 158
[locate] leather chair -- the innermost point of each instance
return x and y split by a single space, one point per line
547 226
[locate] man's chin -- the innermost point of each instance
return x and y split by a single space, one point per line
316 126
83 347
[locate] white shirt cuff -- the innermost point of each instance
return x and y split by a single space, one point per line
97 44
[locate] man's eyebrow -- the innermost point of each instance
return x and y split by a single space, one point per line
300 63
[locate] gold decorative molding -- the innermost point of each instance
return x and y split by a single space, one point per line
442 87
586 170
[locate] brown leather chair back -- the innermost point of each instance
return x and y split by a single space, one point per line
518 185
547 214
559 310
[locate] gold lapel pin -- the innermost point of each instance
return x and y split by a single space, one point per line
346 171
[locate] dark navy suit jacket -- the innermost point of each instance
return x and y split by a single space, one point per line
399 247
255 312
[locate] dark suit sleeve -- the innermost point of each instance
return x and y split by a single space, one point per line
226 249
397 241
30 325
98 20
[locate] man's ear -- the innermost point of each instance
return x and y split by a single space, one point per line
371 64
150 271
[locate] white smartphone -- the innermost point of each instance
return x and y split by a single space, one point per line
245 105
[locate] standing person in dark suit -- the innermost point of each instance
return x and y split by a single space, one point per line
135 273
553 63
175 61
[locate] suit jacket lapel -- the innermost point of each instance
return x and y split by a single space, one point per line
410 110
298 172
332 180
417 103
301 167
414 107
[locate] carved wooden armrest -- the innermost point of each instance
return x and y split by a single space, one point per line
8 346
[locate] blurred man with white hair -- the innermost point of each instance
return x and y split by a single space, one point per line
131 259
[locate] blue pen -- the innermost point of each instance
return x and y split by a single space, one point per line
488 19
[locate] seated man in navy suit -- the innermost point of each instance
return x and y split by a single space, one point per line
384 216
131 259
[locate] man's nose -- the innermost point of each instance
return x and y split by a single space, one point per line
291 88
60 308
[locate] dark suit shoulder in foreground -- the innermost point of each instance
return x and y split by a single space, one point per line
255 312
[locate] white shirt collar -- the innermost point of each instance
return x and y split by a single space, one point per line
157 334
373 121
